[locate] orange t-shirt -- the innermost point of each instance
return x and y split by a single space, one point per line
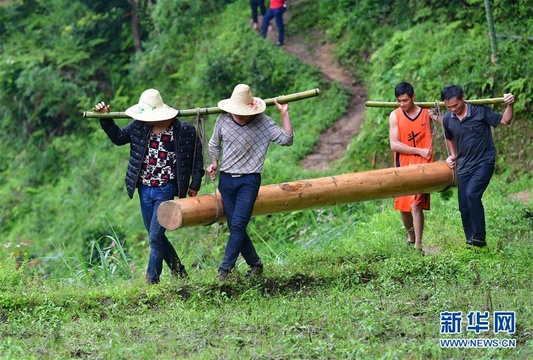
414 132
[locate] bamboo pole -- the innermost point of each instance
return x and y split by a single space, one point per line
492 32
320 192
210 110
517 37
429 104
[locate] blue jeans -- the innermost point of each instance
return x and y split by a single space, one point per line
160 248
278 14
471 188
238 198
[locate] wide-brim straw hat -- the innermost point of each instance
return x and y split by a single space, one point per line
151 108
242 102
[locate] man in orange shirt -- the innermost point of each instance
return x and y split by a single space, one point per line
410 139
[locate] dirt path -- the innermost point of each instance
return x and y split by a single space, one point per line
332 143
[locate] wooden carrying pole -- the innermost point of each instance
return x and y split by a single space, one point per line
320 192
209 110
428 104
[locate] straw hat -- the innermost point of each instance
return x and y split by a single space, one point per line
151 108
242 102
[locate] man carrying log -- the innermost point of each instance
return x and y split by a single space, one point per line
410 140
165 161
241 138
468 133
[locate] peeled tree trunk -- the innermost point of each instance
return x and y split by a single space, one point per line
312 193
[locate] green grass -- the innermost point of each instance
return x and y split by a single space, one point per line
345 289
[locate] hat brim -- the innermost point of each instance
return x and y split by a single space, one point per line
257 107
148 114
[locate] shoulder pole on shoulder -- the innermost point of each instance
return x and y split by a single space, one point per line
431 104
209 110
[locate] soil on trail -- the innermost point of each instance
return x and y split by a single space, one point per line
332 143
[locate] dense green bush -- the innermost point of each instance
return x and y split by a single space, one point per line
51 65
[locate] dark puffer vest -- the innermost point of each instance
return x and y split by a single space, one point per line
188 148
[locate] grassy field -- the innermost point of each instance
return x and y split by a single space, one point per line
348 288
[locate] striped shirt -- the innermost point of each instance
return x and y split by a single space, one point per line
244 147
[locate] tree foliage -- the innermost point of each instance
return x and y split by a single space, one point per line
51 63
60 171
431 44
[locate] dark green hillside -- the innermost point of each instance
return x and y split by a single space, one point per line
339 282
432 46
60 153
60 168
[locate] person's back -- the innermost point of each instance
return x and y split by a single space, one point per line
276 4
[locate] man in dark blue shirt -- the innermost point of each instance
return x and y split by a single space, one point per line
467 129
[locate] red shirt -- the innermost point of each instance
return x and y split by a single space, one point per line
276 4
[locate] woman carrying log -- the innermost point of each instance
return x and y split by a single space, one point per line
165 161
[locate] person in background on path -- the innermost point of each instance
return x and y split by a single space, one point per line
254 4
467 129
165 161
410 140
276 10
240 141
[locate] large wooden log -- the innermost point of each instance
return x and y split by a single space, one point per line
320 192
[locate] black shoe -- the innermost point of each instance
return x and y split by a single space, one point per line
181 272
150 281
254 271
476 242
222 275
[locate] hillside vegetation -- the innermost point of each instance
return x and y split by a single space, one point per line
339 282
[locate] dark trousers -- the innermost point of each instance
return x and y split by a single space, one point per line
254 4
238 198
278 15
160 247
471 188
